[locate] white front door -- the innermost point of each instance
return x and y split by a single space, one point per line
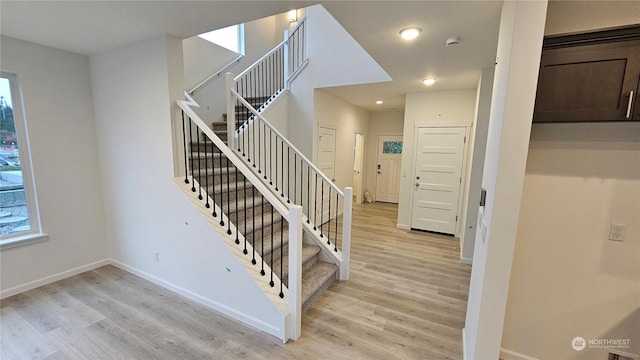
388 168
438 178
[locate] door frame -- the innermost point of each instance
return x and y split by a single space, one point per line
375 167
463 170
361 177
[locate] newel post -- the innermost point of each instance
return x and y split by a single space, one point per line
231 112
295 271
287 55
346 233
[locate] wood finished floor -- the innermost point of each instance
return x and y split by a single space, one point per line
406 299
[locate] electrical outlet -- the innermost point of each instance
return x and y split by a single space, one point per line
616 232
156 256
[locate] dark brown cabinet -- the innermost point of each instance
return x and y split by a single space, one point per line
590 77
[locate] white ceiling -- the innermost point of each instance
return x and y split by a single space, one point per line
91 27
376 25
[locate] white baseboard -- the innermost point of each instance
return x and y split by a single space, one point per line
403 226
512 355
52 278
467 261
464 344
223 309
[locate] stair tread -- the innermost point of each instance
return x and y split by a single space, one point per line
232 187
315 278
308 252
276 244
245 203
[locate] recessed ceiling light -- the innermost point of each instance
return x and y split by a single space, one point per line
410 33
379 102
429 81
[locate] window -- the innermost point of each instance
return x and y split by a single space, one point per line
392 147
19 218
231 38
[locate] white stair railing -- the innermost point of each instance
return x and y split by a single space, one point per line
209 166
288 172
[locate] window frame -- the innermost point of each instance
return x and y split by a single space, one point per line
239 37
34 234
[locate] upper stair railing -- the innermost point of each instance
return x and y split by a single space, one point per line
253 222
288 172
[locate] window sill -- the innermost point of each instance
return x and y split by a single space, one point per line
23 240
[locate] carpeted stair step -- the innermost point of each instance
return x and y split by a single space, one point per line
248 207
262 231
268 249
310 256
217 174
316 280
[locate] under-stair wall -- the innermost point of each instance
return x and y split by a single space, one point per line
146 212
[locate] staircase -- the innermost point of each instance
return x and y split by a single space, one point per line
246 207
261 202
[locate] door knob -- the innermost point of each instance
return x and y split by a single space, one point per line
417 184
379 172
418 177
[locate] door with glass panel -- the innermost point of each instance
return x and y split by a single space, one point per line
388 168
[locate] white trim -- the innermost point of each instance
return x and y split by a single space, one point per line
455 123
512 355
26 163
464 344
466 261
53 278
463 185
22 240
231 313
296 73
403 226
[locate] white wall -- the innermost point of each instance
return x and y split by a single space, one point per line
519 47
572 16
437 108
382 123
58 107
261 36
567 279
202 59
477 148
134 88
347 120
326 38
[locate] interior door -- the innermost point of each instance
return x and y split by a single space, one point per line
388 168
358 164
326 164
438 178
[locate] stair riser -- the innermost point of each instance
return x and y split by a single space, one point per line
266 230
216 177
222 134
305 266
194 149
209 162
256 213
